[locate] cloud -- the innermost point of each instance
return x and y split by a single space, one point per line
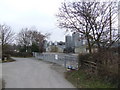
28 13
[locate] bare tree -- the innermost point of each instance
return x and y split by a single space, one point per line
23 37
92 19
7 36
29 36
38 39
101 19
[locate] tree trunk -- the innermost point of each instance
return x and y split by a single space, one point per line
89 45
98 45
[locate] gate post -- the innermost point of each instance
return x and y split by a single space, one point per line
65 61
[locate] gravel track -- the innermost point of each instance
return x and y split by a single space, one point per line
32 73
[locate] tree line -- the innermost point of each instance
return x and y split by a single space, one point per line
27 40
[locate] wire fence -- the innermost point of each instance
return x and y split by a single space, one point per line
59 58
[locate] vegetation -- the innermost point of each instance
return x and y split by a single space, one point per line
8 60
93 20
30 40
106 65
21 54
82 80
69 50
6 38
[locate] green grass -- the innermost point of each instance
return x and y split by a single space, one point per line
80 80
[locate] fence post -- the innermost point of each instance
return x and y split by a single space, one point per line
65 61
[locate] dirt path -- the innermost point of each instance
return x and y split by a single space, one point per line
31 73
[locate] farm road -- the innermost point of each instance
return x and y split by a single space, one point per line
31 73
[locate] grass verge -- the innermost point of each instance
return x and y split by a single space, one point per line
8 60
81 80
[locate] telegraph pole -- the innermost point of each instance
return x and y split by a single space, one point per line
110 26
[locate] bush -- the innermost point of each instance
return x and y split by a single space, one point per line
107 64
69 50
20 54
5 56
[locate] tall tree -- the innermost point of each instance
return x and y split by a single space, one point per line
29 37
91 19
7 36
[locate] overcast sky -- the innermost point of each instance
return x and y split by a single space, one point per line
32 13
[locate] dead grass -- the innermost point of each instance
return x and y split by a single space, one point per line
9 60
82 80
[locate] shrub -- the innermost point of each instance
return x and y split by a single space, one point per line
20 54
5 56
107 64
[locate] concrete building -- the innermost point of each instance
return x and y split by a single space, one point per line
55 47
76 39
81 49
45 43
61 48
76 42
68 41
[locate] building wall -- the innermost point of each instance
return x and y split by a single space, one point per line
76 39
60 50
68 41
81 49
